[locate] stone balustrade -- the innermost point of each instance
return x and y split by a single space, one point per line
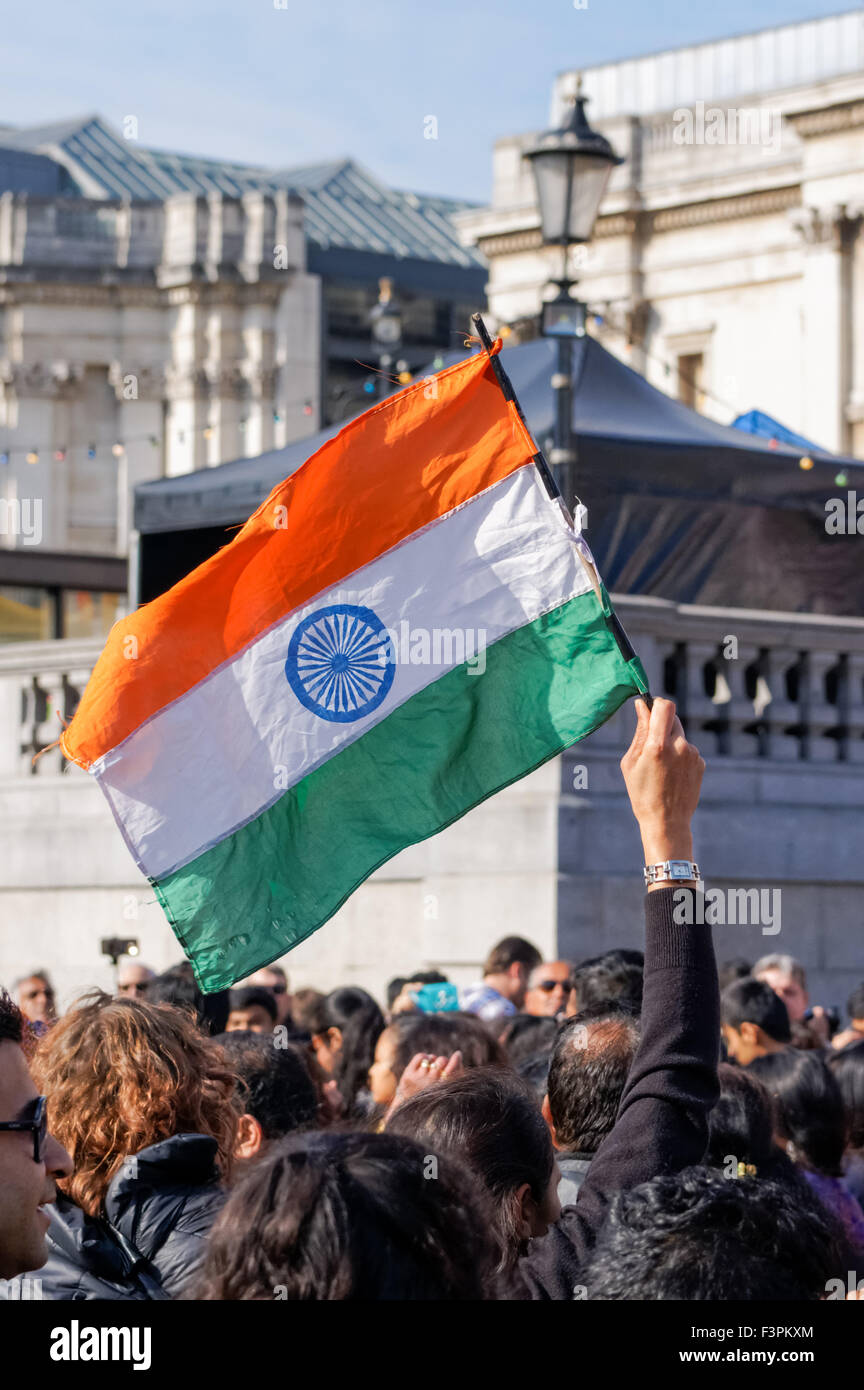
749 685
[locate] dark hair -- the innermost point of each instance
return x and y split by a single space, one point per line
616 976
855 1002
808 1107
490 1120
361 1023
741 1127
752 1001
848 1068
590 1064
275 1085
736 969
11 1019
305 1004
252 996
698 1236
178 986
511 950
394 989
526 1035
350 1216
442 1034
535 1071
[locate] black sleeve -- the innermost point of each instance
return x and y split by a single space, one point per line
662 1122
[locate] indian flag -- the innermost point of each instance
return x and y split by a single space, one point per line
408 623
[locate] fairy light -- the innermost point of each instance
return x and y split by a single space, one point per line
806 463
33 456
118 450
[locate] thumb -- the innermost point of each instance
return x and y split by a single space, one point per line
453 1067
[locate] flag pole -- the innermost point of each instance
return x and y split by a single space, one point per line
506 385
552 488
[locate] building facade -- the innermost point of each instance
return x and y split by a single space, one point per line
727 264
161 314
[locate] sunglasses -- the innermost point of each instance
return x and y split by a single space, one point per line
38 1127
547 986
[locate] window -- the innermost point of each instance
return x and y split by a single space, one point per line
88 614
26 615
691 379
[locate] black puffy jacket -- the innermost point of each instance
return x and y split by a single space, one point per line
159 1209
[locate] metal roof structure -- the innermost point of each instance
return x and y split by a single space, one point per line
724 69
346 206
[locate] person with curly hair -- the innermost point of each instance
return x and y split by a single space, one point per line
143 1102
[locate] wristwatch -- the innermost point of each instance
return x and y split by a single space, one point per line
671 871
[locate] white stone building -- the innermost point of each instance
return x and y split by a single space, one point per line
727 264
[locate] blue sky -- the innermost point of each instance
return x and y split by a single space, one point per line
241 79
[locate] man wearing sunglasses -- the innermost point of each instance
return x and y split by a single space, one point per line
31 1160
549 989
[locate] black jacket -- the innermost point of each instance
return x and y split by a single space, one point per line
158 1211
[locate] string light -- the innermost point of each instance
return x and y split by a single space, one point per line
404 378
208 432
59 455
117 450
4 457
91 451
842 479
33 456
307 409
806 463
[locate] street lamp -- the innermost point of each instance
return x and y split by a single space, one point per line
571 167
386 323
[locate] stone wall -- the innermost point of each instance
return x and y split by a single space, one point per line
555 857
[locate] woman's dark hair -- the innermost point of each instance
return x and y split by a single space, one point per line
274 1085
808 1107
361 1022
491 1121
697 1236
442 1034
741 1127
526 1035
351 1216
848 1068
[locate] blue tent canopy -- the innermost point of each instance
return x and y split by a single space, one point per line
766 427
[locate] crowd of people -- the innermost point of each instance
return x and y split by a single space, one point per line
636 1126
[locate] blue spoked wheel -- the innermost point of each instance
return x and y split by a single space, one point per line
340 664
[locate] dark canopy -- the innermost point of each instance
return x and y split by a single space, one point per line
679 507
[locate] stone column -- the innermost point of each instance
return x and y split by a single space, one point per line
828 234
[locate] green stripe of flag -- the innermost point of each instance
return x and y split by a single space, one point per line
273 882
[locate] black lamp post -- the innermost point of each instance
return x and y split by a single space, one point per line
571 167
386 322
